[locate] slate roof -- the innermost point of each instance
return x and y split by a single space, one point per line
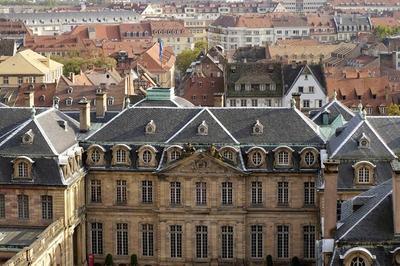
7 47
345 143
388 128
53 133
254 73
373 221
225 126
291 73
334 109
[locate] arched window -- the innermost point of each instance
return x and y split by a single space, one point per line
309 158
147 156
121 156
23 170
363 175
357 261
256 158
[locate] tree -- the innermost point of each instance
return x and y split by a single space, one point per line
109 260
393 109
134 261
75 64
269 261
187 56
385 31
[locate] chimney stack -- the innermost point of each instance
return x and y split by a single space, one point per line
296 97
218 100
330 198
101 104
84 117
29 98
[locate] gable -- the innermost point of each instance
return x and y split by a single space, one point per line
201 163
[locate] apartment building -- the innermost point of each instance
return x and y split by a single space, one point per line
349 25
303 6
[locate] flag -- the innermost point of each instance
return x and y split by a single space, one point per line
160 43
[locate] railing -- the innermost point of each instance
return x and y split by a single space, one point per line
28 254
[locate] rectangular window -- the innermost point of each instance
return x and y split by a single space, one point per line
306 103
176 241
254 102
301 89
121 191
227 242
232 103
97 238
226 193
309 241
311 89
122 239
256 193
201 242
20 80
23 207
243 102
5 80
283 193
339 209
95 190
256 241
309 193
47 207
283 241
201 193
147 240
175 193
2 206
147 191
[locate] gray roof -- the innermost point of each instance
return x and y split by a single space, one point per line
351 20
345 143
226 126
373 221
7 47
291 74
388 128
15 239
334 108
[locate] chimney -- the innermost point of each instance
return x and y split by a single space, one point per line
29 98
296 97
84 117
101 104
396 200
72 77
218 100
330 198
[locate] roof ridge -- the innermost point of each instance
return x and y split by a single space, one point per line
346 139
222 126
380 138
16 130
308 121
190 121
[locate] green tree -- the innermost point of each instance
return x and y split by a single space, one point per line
187 56
109 260
385 31
393 109
75 64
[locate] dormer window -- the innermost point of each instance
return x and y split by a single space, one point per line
150 127
70 90
110 101
309 158
147 156
27 138
175 155
121 154
22 167
364 172
69 101
363 142
258 128
283 156
227 154
256 157
95 155
202 129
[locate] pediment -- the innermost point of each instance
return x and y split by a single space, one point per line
201 163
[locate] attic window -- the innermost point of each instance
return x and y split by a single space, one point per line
70 90
69 101
62 124
110 101
150 127
364 142
27 138
258 128
202 129
42 98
